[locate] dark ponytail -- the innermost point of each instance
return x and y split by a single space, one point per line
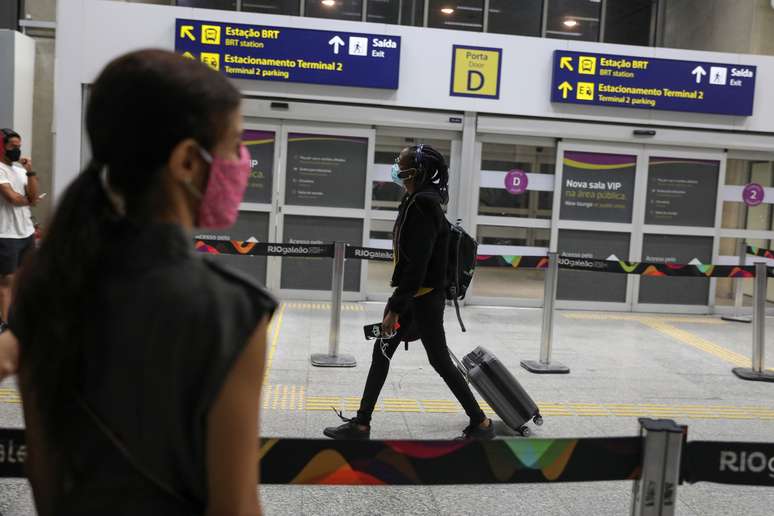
141 106
433 169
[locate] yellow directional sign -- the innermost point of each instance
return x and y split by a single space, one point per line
476 72
565 87
210 59
566 62
189 55
211 34
585 91
588 65
186 31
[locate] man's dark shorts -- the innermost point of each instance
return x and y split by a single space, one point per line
13 251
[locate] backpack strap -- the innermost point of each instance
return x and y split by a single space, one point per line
459 317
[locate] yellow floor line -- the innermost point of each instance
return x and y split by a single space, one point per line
275 339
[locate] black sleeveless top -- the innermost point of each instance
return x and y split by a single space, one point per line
169 325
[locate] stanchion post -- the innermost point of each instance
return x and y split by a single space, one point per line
333 358
544 365
737 316
758 372
655 492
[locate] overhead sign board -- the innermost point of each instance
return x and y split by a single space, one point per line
258 52
648 83
476 72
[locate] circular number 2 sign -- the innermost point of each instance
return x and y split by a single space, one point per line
753 194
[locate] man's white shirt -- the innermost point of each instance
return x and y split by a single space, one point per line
15 221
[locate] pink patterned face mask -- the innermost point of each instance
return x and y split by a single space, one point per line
225 188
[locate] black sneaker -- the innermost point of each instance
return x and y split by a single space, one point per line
476 432
349 430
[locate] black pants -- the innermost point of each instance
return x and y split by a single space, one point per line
427 315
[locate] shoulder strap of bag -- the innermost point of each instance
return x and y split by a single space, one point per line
127 455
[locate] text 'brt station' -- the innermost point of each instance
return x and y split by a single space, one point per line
614 162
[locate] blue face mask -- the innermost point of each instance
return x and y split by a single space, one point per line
394 174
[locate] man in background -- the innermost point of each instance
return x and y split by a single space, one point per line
18 191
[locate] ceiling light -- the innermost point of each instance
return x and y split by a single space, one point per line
329 3
570 23
447 10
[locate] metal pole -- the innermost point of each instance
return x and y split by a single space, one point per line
655 492
333 359
737 316
757 372
544 365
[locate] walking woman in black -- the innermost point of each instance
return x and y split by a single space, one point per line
420 244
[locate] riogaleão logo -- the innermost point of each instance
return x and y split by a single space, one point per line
285 250
580 263
371 254
744 462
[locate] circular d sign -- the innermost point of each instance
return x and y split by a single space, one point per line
752 194
516 182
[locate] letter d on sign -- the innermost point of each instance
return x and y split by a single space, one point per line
475 80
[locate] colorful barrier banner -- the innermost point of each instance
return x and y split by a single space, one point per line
749 464
659 269
516 262
369 253
13 453
328 462
213 246
760 251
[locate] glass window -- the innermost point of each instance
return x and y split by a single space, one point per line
403 12
457 15
522 18
497 159
336 9
380 273
573 19
224 5
736 214
629 21
289 7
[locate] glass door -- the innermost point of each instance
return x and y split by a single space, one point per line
680 217
595 209
322 197
385 196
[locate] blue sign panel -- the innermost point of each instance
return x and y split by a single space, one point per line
257 52
648 83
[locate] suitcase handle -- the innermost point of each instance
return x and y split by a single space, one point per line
460 366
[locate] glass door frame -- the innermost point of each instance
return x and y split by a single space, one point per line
473 184
281 209
419 134
637 229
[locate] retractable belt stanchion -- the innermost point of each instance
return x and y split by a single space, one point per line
544 365
655 492
333 358
739 289
758 372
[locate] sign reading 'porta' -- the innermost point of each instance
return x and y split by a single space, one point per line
647 83
258 52
476 72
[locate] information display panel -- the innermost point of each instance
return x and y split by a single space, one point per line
598 187
249 225
592 286
675 249
316 273
261 147
268 53
326 171
682 192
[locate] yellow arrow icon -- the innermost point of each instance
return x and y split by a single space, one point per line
186 31
188 55
565 87
566 62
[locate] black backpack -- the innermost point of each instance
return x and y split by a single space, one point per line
463 250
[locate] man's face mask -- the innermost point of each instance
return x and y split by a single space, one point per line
13 154
399 175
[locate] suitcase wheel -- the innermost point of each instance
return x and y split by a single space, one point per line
524 431
538 420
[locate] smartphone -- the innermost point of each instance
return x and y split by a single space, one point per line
374 331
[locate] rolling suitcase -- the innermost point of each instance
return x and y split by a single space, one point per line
500 389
